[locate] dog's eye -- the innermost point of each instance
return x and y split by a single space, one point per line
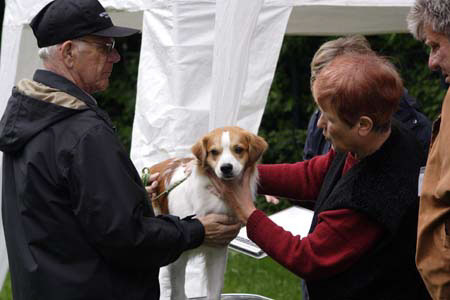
214 152
238 149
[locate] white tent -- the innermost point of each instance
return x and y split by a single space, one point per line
203 63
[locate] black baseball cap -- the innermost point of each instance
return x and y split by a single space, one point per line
63 20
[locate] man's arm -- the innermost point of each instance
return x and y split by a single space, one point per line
109 202
219 229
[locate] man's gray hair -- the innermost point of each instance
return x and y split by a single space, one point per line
46 52
435 13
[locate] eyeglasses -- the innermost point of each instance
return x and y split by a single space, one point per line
107 46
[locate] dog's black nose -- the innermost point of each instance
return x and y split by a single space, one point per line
226 169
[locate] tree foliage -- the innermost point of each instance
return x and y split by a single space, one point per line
289 103
120 98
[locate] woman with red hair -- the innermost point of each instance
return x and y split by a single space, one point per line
361 243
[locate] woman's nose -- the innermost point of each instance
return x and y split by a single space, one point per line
321 121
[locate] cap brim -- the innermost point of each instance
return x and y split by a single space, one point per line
116 32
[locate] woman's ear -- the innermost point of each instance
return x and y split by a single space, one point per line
365 125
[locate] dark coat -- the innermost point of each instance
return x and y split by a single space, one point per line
383 186
76 217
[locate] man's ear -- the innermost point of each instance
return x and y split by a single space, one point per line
199 150
365 125
67 52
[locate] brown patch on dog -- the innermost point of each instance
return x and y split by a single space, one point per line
200 150
257 147
166 169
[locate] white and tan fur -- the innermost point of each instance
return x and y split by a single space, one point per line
225 153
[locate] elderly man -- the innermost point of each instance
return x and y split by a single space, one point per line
361 243
76 217
429 21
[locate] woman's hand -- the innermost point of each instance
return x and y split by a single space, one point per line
272 199
237 195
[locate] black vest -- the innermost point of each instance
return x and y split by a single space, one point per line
384 187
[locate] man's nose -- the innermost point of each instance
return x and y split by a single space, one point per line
433 62
114 56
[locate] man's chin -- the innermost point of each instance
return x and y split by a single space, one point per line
102 86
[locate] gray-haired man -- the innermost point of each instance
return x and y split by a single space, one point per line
429 21
76 216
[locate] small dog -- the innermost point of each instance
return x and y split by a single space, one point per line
225 153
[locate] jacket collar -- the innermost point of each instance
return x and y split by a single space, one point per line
63 84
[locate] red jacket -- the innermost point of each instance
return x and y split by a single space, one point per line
340 237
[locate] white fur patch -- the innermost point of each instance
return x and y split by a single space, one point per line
227 158
197 196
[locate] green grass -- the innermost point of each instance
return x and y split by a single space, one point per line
244 274
6 293
263 277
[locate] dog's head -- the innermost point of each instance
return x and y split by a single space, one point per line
228 151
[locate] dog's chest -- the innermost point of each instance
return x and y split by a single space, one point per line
195 195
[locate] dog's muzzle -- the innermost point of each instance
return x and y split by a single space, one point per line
227 171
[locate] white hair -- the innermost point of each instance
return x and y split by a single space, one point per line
435 13
46 52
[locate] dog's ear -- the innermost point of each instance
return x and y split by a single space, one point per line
199 150
257 146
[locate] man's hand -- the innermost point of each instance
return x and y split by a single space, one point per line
152 185
220 230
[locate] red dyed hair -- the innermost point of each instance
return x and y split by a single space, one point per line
356 85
